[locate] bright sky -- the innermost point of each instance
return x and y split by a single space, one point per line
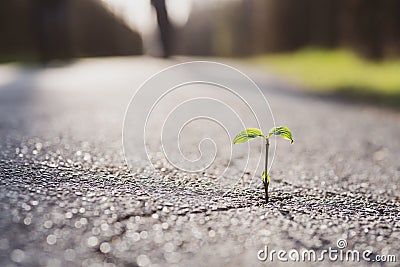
139 14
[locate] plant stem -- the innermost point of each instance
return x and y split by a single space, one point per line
266 182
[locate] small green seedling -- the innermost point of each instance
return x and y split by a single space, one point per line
251 133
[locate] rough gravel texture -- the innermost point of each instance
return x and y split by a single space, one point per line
68 199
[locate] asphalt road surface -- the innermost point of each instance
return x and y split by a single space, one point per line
67 198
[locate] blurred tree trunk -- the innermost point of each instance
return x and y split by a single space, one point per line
164 26
52 29
360 26
323 24
391 28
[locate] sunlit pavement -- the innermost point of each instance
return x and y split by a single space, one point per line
68 199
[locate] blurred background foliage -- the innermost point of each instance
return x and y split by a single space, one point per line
44 30
356 43
338 72
79 28
249 27
346 48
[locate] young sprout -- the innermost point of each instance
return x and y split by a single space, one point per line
251 133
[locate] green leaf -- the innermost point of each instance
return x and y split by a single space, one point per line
247 135
282 131
265 175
